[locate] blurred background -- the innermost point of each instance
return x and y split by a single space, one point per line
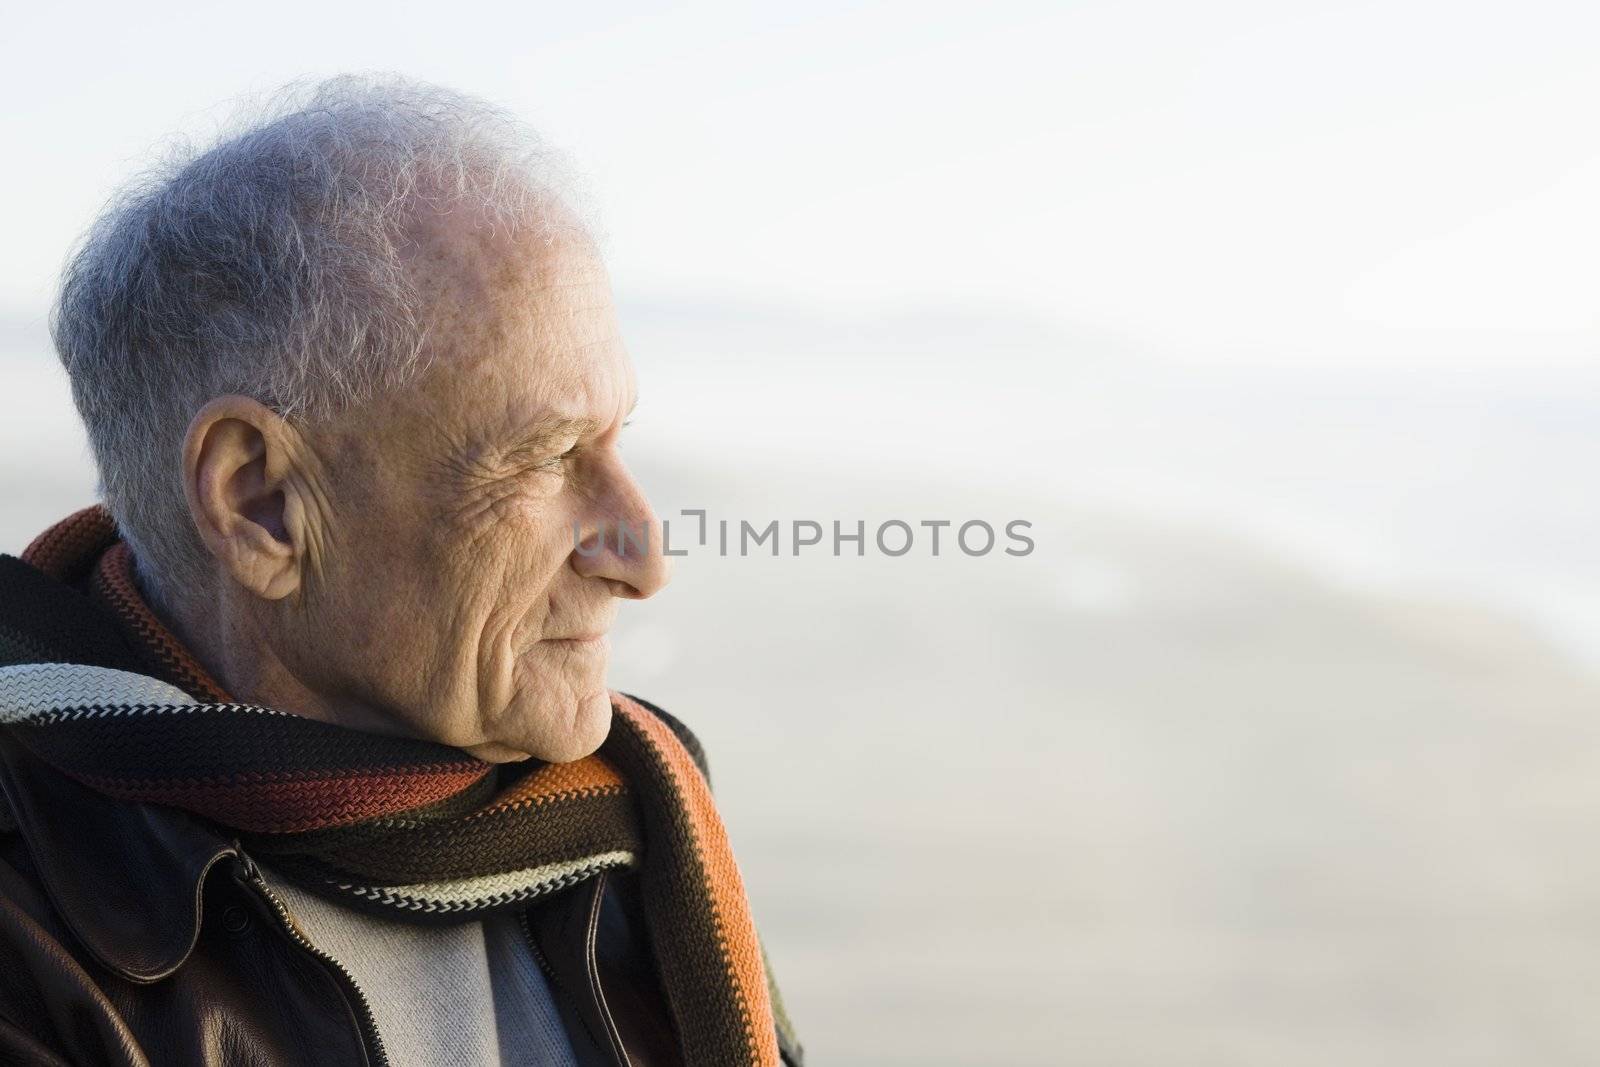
1278 321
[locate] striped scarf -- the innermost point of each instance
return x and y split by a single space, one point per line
402 827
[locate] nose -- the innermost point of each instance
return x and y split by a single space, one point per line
620 540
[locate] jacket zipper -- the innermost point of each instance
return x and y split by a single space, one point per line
550 972
369 1028
538 953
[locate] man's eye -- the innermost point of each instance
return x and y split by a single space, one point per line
556 461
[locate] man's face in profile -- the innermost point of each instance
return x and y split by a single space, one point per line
444 589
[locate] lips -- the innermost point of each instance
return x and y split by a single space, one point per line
589 650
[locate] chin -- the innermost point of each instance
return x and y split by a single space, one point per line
565 734
589 725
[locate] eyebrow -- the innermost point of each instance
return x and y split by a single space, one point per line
546 431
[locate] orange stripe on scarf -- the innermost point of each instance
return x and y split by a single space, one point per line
557 781
736 928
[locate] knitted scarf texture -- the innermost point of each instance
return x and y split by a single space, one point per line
94 684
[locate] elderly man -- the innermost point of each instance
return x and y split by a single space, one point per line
306 746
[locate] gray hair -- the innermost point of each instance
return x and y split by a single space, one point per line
269 266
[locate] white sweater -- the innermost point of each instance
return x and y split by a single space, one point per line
465 995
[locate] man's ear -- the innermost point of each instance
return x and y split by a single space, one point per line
237 466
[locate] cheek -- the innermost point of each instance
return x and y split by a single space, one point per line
511 579
519 527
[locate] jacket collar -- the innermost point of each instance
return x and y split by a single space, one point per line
126 878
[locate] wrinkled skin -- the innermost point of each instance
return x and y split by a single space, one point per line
413 567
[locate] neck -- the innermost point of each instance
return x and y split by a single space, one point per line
224 630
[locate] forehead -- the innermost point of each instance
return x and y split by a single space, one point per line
478 278
521 324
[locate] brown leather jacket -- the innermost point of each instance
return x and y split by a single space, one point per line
134 934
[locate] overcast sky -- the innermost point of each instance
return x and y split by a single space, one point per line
1356 183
